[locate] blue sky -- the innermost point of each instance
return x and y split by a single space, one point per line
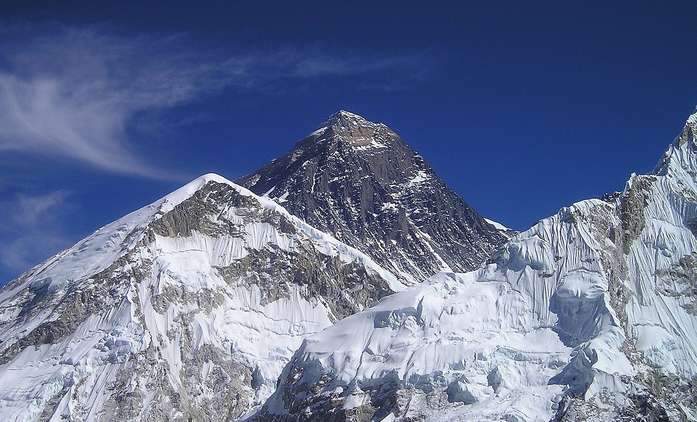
522 108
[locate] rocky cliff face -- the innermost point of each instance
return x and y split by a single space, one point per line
187 309
359 181
588 315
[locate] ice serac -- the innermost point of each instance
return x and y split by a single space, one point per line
186 309
361 182
589 315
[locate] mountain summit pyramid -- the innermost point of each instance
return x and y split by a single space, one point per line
361 182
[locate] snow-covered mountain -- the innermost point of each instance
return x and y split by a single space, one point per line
359 181
589 315
215 303
186 309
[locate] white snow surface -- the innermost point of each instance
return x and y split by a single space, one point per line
72 376
497 225
538 322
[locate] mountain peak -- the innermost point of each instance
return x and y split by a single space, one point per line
355 131
343 115
186 191
680 159
692 120
346 121
361 182
202 180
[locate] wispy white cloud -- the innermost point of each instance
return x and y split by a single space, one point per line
30 210
80 94
31 229
410 66
73 95
75 92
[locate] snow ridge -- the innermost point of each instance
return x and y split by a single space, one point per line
187 306
577 318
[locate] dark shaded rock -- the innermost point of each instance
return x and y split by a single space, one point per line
359 181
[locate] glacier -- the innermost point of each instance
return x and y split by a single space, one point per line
591 314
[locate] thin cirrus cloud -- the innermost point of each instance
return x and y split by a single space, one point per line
74 94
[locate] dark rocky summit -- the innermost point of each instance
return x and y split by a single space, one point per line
361 182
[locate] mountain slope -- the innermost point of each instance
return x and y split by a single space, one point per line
589 315
359 181
185 309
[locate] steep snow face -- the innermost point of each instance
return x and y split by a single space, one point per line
186 309
359 181
589 315
662 259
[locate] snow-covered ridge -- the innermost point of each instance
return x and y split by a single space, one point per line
100 249
588 315
497 225
192 303
111 241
